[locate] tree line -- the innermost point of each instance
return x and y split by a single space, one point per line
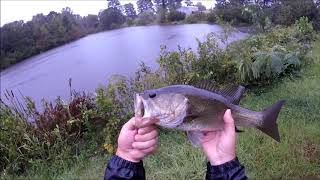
20 40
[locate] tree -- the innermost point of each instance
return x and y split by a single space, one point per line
188 2
91 23
287 12
264 3
20 40
144 5
174 4
113 4
201 7
130 11
161 8
167 4
221 4
111 18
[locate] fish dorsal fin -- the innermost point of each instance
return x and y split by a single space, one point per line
209 86
232 93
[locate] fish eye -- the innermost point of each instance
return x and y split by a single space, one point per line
152 95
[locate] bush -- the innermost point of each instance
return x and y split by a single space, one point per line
146 18
211 17
256 61
304 29
176 16
196 17
130 21
30 138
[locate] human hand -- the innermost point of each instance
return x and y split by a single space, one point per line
135 143
220 146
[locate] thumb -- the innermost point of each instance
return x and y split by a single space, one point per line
228 122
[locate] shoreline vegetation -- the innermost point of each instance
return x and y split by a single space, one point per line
75 138
84 129
21 40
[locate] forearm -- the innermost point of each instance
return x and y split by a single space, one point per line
119 168
229 170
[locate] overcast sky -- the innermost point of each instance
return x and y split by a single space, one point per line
12 10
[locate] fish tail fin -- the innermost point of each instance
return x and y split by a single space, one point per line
269 125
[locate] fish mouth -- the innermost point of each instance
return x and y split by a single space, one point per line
139 106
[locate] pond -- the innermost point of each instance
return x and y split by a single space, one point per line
89 61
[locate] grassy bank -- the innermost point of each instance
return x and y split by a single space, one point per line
297 156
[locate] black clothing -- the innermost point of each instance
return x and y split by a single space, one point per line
119 168
229 170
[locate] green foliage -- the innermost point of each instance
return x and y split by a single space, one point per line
20 40
262 13
111 18
113 3
145 6
56 135
233 11
176 16
196 17
259 60
287 12
200 6
211 16
304 29
130 11
145 18
267 57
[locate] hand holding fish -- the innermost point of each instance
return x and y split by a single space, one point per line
135 143
220 146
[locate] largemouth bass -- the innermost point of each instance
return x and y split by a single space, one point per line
201 109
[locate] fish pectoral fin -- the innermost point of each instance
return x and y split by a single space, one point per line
195 137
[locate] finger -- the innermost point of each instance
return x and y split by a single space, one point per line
131 123
144 122
228 122
146 130
145 144
146 137
150 149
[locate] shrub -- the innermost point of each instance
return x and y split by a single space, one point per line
130 21
31 138
196 17
211 17
145 18
304 29
176 16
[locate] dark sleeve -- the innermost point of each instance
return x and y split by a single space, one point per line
229 170
119 168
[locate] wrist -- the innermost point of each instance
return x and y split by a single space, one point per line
126 156
218 160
